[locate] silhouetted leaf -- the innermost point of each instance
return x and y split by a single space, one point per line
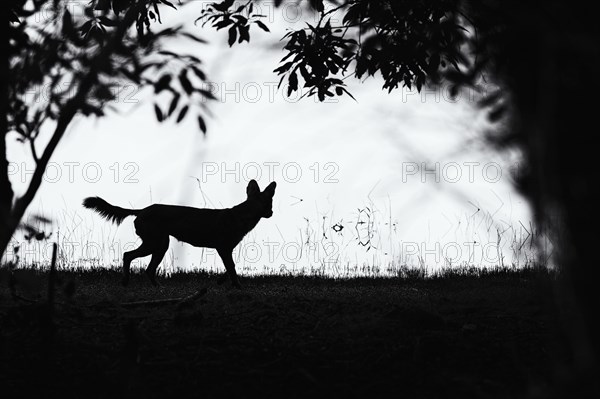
182 113
348 93
162 83
173 105
244 33
67 24
242 21
223 24
185 82
317 5
262 26
232 35
207 94
107 21
201 124
158 112
198 72
283 68
194 37
85 28
168 3
223 6
293 83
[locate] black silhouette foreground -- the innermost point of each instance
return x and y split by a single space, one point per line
463 334
221 229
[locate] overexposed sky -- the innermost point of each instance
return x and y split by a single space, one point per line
406 175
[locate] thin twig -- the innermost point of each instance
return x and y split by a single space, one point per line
184 300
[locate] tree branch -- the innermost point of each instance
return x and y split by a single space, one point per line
33 150
70 110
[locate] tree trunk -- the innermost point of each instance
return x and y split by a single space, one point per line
11 215
20 206
6 192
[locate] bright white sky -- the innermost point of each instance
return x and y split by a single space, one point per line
330 160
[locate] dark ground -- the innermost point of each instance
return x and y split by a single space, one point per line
494 336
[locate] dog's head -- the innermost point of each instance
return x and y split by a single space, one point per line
263 200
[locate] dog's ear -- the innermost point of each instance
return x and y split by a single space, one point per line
252 188
270 190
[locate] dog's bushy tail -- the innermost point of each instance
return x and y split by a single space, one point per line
110 212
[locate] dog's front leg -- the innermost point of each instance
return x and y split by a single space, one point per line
226 256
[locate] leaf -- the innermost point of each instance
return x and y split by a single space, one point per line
348 93
262 26
168 3
162 83
351 15
169 53
158 112
317 5
67 23
293 83
174 103
157 11
201 124
420 81
185 82
283 68
222 24
182 113
107 21
85 28
193 37
223 6
207 93
198 72
305 75
232 35
244 33
241 19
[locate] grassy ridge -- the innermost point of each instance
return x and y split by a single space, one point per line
474 334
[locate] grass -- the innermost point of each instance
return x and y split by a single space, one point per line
462 331
369 243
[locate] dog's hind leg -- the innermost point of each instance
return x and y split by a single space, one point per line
144 249
160 246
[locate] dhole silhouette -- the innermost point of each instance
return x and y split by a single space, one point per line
221 229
